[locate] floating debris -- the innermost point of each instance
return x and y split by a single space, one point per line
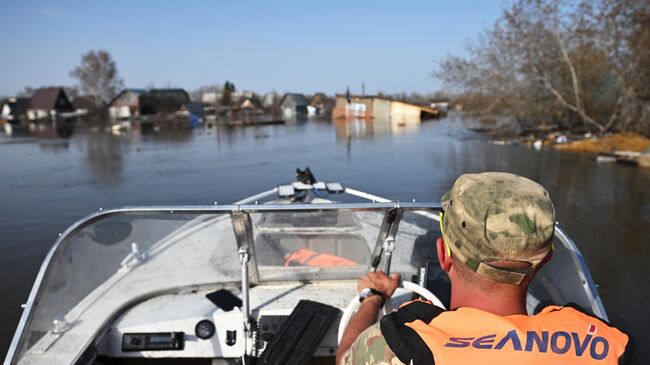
561 139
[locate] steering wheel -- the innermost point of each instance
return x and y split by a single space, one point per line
403 288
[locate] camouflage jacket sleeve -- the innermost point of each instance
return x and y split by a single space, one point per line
370 348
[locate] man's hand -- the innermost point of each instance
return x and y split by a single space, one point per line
367 313
380 282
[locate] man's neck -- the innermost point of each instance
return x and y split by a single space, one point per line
500 302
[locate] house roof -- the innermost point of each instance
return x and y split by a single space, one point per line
178 94
127 90
46 97
319 98
249 101
83 102
295 99
365 96
134 90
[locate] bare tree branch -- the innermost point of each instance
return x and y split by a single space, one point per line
574 76
567 105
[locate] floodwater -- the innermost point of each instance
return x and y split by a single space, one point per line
51 177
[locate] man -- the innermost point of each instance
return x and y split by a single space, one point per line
497 232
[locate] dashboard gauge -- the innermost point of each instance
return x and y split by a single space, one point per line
204 329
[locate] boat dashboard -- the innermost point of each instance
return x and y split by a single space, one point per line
191 325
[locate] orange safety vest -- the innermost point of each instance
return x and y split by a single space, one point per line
426 334
307 257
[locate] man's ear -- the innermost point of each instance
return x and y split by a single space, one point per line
444 259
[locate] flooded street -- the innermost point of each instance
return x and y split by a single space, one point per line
50 178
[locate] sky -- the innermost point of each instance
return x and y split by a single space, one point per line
299 46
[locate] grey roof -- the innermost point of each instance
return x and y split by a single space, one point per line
172 93
293 100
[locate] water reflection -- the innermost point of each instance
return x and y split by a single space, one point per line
347 129
103 154
164 131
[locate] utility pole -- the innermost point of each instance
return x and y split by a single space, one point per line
363 89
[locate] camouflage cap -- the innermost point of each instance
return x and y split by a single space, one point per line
495 217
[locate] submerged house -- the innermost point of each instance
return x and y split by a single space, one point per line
14 109
294 104
249 101
370 107
249 105
320 104
83 104
138 102
47 103
163 101
192 108
271 101
209 98
209 101
126 104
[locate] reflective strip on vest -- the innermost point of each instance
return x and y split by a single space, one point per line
557 335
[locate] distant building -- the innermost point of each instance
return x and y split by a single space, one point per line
210 101
48 103
137 102
126 104
271 101
191 108
83 104
14 109
249 101
209 98
442 106
368 107
293 104
320 104
163 101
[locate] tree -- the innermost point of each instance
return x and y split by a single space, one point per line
97 75
71 91
228 89
27 92
578 63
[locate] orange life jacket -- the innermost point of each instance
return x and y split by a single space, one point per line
307 257
424 333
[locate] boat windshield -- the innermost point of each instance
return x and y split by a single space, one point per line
117 259
114 260
314 245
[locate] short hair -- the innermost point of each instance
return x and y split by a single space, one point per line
481 282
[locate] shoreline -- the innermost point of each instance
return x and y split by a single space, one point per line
625 147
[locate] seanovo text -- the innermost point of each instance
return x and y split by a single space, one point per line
562 343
